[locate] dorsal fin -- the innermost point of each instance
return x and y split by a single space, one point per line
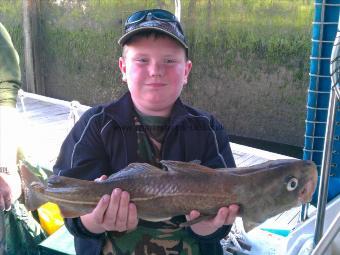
55 181
69 213
138 170
186 167
196 161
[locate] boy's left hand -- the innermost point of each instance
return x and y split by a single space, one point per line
225 216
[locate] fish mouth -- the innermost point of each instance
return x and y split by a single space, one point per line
306 193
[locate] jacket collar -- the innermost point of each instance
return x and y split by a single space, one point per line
122 111
179 112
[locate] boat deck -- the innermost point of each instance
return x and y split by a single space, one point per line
47 121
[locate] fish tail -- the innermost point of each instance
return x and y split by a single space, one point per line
32 188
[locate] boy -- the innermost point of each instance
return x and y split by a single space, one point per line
148 124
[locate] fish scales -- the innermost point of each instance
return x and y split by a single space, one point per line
262 191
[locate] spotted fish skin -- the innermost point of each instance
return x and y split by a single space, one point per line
262 190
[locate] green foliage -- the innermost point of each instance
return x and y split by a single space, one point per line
248 54
274 30
277 31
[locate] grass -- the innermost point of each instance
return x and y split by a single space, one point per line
241 50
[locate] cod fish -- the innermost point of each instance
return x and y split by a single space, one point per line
261 191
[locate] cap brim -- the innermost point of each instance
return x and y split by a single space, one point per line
128 35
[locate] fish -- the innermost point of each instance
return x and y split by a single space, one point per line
261 191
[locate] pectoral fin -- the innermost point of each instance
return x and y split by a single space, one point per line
69 213
197 220
153 219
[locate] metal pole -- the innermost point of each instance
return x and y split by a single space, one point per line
327 153
28 47
178 9
329 236
325 169
304 212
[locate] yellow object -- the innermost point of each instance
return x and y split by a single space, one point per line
50 217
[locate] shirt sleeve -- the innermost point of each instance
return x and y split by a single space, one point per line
219 153
10 75
9 85
76 228
210 244
82 155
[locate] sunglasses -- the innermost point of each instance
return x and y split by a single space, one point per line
156 19
154 14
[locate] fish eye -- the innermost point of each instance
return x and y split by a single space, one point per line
292 183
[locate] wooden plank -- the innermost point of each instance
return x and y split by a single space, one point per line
257 152
243 159
253 160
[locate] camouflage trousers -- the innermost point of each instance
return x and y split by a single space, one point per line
151 241
20 233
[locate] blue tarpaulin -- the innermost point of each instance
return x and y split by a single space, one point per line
325 27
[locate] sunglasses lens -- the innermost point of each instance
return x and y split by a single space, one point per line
163 15
136 17
156 14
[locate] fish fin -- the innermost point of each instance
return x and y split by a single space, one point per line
155 219
57 181
249 225
32 187
196 161
68 213
137 170
197 220
54 180
186 167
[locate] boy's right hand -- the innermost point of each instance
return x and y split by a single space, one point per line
10 189
5 194
112 213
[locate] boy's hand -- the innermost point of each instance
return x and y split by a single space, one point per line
10 189
112 213
5 194
225 216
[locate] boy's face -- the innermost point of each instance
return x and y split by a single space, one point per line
155 70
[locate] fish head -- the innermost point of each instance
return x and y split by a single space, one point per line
310 179
299 180
284 184
293 182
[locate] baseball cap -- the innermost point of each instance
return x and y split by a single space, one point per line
153 19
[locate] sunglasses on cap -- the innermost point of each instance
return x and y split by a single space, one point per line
154 19
153 14
158 14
